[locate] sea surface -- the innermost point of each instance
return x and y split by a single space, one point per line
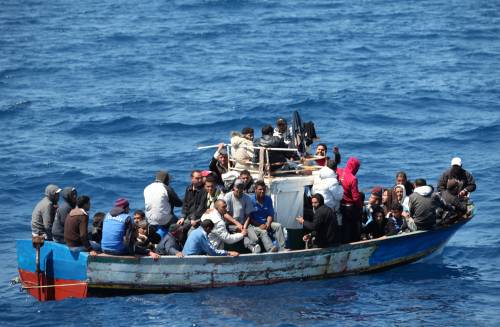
101 94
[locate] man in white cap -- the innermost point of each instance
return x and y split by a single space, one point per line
466 181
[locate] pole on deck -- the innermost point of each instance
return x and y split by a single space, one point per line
37 244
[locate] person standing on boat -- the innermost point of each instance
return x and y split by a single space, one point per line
157 204
242 148
76 226
324 227
402 179
277 159
69 196
283 132
239 209
351 206
42 217
467 181
198 244
423 204
262 220
118 232
327 184
189 205
219 165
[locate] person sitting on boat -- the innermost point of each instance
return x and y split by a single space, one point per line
351 206
206 198
327 184
149 234
399 221
262 220
467 182
189 205
69 196
171 244
157 204
386 203
242 148
118 232
454 206
402 179
248 183
283 132
198 244
377 227
399 196
220 235
323 229
43 214
239 209
423 204
76 227
374 200
96 232
219 164
277 159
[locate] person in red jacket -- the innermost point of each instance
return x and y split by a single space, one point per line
351 205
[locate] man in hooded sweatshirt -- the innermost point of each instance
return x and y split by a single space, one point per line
467 182
351 206
69 196
423 204
42 217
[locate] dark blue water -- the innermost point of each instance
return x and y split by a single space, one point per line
101 94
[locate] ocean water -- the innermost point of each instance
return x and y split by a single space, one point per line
101 94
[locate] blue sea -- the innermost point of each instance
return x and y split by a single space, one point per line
101 94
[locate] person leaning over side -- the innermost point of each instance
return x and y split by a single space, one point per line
76 227
43 214
198 244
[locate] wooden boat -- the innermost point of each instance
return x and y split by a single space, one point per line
65 274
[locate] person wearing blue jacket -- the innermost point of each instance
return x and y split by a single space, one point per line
198 244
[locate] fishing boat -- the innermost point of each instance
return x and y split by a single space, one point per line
50 271
64 274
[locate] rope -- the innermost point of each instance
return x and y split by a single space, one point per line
48 286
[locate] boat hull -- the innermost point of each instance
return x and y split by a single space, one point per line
169 273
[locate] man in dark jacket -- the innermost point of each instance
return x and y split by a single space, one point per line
42 217
324 226
467 182
423 204
171 244
277 159
69 195
76 227
455 206
189 204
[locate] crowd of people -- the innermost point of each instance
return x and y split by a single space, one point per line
224 206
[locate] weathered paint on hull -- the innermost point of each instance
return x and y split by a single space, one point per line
82 274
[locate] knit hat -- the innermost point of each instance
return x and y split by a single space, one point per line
456 162
206 173
121 202
247 130
377 190
162 176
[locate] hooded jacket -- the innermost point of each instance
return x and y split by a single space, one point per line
42 217
61 213
423 205
241 150
349 181
326 184
76 229
404 200
219 234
